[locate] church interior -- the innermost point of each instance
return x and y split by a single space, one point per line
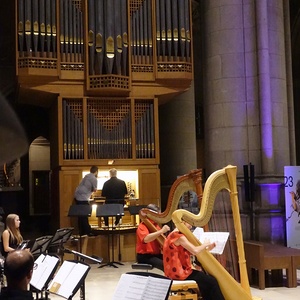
194 102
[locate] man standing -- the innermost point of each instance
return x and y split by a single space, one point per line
83 192
114 190
18 268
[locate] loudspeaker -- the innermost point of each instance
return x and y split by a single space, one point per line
249 182
246 183
252 183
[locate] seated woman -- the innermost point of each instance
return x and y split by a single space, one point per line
177 253
11 236
147 247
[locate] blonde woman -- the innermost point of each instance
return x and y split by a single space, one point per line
11 236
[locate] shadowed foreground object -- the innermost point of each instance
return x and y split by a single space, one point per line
12 135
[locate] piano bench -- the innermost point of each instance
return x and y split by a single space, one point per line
184 289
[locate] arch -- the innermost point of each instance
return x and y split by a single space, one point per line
39 176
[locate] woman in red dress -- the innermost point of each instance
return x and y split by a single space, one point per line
177 253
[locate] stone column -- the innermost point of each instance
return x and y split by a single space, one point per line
177 137
248 101
246 98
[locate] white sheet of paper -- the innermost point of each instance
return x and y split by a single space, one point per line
72 280
68 276
220 238
137 287
45 266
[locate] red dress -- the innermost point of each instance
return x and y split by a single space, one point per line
146 248
177 260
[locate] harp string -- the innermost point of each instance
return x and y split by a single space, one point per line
222 221
187 182
191 181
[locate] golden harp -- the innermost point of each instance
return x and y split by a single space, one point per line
191 181
217 181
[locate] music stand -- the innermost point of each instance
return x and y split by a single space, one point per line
134 210
80 211
41 245
110 210
23 245
43 274
84 257
60 237
73 283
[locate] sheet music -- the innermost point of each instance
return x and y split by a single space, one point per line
220 238
45 266
137 287
156 289
67 278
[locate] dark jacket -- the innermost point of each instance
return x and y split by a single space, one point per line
114 189
13 294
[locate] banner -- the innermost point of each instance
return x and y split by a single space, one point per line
292 205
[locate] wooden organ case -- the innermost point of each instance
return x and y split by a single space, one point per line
106 66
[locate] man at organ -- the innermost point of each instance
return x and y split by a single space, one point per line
148 248
114 190
83 192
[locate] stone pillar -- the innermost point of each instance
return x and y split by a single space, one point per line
248 101
246 96
264 86
177 137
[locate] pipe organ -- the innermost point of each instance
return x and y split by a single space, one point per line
110 132
108 64
105 42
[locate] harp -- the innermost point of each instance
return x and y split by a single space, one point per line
217 181
188 182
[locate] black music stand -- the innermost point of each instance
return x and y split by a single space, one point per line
60 237
110 210
43 274
135 209
61 277
80 211
114 201
84 257
41 245
23 245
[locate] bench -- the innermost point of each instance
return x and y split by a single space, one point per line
184 289
263 257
